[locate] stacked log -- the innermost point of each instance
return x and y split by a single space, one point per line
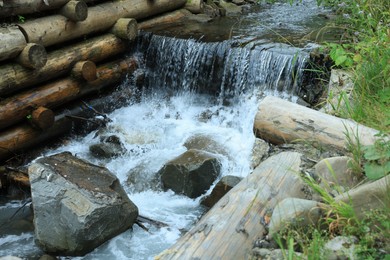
38 80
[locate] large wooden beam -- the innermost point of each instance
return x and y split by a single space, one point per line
15 77
18 107
167 18
16 139
228 230
57 28
279 121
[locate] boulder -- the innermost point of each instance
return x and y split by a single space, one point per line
206 143
223 186
191 173
77 205
294 212
341 247
259 152
335 171
109 147
230 8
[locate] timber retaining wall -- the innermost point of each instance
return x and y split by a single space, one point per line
58 52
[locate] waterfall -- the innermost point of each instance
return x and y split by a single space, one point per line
223 68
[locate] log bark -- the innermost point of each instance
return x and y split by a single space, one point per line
16 139
57 28
167 18
125 28
15 77
42 118
18 107
228 230
75 10
18 7
33 56
12 42
279 121
85 70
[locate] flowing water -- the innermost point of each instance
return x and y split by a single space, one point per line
191 89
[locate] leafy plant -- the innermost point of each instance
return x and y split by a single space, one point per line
377 158
21 19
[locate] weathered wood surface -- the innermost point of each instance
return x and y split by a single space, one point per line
33 56
15 77
42 118
18 7
228 230
57 28
85 70
125 28
12 42
18 107
167 18
195 6
23 136
279 121
75 10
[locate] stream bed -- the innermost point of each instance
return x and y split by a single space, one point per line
192 89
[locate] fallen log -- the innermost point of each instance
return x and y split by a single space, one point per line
195 6
228 230
167 18
125 28
279 121
42 118
57 28
20 106
15 77
17 139
12 42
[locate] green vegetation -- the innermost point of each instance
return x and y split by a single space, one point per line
363 50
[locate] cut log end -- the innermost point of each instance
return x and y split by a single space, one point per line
33 56
75 10
42 117
85 70
125 28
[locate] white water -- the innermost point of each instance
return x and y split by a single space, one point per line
154 131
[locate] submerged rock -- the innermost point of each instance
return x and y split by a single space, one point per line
191 174
223 186
77 205
109 147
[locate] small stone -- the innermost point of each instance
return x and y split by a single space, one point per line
340 247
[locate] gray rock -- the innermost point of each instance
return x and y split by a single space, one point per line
294 212
230 7
109 147
191 174
340 248
9 257
259 152
77 205
223 186
335 171
206 143
272 254
238 2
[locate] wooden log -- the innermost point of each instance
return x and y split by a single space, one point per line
75 10
57 28
15 77
167 18
33 56
42 118
18 107
12 42
279 121
20 7
125 28
85 70
227 230
16 139
195 6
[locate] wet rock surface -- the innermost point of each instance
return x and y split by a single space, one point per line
225 184
77 205
191 174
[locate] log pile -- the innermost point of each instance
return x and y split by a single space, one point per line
61 52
